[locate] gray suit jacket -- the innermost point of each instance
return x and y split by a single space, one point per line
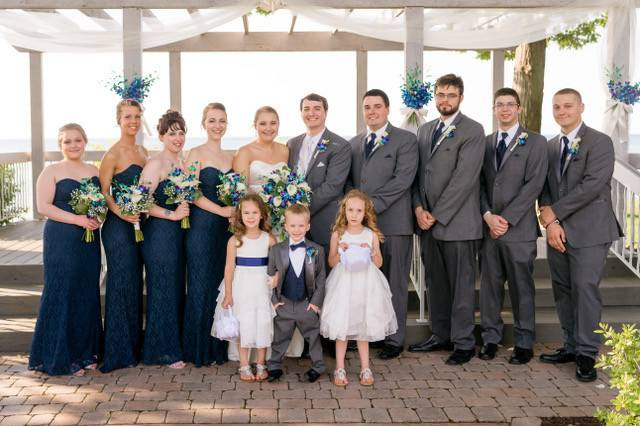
448 180
386 177
513 190
581 196
327 175
314 273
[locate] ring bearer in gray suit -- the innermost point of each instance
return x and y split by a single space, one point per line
446 201
384 159
298 266
513 174
324 158
575 209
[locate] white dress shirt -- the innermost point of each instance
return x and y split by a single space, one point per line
296 257
379 133
309 144
448 121
511 133
571 136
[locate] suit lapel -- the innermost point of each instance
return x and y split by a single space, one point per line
554 157
444 137
379 146
284 256
308 273
492 150
296 145
510 147
316 153
570 156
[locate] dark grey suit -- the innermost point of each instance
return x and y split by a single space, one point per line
448 186
511 192
294 313
580 197
386 176
327 175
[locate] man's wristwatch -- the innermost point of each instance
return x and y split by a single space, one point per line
555 221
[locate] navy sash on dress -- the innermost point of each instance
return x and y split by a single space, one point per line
252 261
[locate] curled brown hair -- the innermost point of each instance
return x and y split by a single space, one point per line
369 219
209 107
125 103
266 108
72 126
240 228
171 120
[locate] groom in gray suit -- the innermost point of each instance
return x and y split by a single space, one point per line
575 208
446 201
383 164
513 174
324 158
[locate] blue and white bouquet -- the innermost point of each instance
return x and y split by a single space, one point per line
232 187
416 94
133 200
183 187
89 201
622 96
622 91
282 188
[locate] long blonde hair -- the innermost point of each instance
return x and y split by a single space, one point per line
369 220
240 228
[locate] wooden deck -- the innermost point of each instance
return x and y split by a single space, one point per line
21 243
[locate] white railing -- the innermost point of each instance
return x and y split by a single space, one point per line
625 197
417 279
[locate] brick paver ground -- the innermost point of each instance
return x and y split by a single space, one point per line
413 388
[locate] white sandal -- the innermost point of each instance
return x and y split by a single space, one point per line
261 372
366 377
340 377
246 375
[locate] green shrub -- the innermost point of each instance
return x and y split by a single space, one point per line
9 210
623 365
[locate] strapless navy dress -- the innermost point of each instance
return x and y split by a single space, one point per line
206 248
68 331
123 301
163 255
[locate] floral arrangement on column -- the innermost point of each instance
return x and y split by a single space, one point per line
137 88
416 94
622 96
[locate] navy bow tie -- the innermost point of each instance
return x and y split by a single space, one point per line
294 247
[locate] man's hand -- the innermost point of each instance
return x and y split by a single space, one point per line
273 281
277 305
556 237
497 224
546 216
314 308
424 218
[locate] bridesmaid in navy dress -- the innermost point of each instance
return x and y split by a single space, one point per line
69 328
163 251
206 243
122 163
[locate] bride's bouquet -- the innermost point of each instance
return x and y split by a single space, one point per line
132 200
89 201
282 188
183 187
232 187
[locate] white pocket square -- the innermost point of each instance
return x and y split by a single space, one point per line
320 164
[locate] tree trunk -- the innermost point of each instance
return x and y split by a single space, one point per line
528 81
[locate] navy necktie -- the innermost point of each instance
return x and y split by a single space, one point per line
294 247
371 143
501 149
565 151
436 135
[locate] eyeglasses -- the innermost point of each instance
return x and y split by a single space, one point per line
509 105
446 95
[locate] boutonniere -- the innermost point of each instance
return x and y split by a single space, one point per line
450 132
521 141
575 147
321 147
383 140
311 253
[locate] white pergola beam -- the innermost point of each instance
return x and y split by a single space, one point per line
497 75
337 4
414 41
37 123
245 24
175 81
105 20
361 87
132 48
294 18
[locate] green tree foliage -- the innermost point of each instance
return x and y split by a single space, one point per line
9 210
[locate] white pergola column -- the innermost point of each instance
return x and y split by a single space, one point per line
361 87
497 76
175 81
37 124
414 42
132 48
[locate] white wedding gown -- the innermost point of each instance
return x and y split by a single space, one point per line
258 171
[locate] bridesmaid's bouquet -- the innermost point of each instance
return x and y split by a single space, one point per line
132 200
232 187
89 201
282 188
183 186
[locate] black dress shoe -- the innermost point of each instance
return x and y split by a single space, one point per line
311 375
431 344
488 351
559 356
585 370
520 356
274 375
389 352
460 356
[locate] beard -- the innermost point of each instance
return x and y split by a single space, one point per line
448 113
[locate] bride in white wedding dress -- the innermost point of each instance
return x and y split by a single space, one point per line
257 160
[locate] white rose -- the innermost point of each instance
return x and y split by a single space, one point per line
292 189
241 187
136 198
277 201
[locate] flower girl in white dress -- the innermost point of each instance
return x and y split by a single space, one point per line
247 287
357 305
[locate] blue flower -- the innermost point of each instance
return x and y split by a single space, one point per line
311 252
322 145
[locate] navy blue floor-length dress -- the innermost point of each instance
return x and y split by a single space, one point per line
68 331
123 300
206 248
163 255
